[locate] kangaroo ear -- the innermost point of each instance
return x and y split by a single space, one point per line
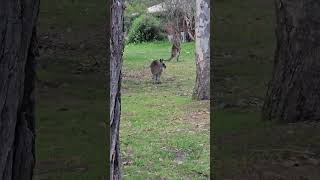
161 60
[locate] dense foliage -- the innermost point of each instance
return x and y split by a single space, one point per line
145 28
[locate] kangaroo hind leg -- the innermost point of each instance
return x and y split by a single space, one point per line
178 55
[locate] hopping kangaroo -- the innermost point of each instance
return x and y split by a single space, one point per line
156 69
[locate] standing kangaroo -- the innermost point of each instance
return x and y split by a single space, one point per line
175 49
176 41
156 70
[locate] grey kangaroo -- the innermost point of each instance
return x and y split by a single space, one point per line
176 41
157 67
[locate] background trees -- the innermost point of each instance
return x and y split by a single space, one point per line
202 86
294 91
18 49
179 12
116 52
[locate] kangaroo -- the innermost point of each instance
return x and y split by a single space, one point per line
176 42
175 49
156 69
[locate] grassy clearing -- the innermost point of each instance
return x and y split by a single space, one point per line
70 110
244 146
164 134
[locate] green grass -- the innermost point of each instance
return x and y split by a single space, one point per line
156 128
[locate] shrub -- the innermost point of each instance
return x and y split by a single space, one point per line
145 28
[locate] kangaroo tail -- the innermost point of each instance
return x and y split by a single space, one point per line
172 56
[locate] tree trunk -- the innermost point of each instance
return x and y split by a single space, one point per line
202 85
294 92
18 49
116 49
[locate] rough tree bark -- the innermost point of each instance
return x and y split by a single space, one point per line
294 92
18 50
116 49
202 85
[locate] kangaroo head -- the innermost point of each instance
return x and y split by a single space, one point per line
162 62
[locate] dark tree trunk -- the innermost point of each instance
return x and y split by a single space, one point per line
202 85
116 50
18 49
294 91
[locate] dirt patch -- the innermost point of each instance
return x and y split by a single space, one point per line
145 74
195 175
200 120
136 75
199 105
179 155
128 114
199 116
126 156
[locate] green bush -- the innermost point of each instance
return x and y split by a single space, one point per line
145 28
